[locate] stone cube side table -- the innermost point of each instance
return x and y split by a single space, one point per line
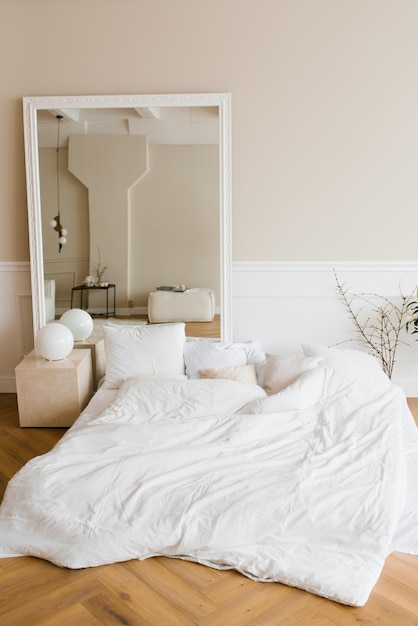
53 393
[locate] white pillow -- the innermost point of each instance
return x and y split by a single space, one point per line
135 351
355 360
201 355
240 373
282 370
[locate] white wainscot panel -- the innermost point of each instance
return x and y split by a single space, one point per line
16 329
67 273
284 305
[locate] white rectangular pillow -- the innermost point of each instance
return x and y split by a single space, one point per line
202 355
349 358
135 351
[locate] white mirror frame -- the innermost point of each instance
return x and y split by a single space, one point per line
31 105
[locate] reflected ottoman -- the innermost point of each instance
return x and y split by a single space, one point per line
192 305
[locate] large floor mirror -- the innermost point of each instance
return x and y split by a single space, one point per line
140 184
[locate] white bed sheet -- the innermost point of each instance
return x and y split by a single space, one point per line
312 487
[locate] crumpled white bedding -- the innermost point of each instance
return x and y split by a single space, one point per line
307 487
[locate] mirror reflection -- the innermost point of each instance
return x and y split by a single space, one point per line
140 194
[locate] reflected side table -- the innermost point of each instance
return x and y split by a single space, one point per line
83 288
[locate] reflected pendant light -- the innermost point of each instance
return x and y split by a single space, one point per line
56 222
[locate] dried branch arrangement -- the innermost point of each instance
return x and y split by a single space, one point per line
379 328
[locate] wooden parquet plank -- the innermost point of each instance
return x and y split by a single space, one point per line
229 587
19 445
36 441
392 590
204 329
401 556
198 575
3 484
183 596
378 611
25 575
16 450
76 615
252 605
108 610
296 610
139 597
312 620
404 569
47 597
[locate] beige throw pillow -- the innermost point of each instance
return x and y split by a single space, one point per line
282 371
240 373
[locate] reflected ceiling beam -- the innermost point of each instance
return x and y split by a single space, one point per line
71 115
149 112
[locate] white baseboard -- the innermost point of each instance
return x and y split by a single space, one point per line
15 320
7 385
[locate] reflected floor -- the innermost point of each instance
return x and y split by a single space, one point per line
193 329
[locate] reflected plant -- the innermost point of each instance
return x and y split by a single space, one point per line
378 328
98 268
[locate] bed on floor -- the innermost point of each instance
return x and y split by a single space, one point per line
297 469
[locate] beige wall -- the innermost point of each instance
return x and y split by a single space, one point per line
109 165
175 221
71 265
324 106
72 194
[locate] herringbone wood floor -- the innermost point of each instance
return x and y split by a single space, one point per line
168 592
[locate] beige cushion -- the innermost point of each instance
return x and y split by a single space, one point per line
282 370
241 373
192 305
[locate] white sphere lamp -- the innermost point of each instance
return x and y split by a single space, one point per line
79 322
54 341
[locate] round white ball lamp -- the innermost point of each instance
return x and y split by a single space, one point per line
54 341
79 322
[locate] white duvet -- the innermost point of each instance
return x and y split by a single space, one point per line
311 487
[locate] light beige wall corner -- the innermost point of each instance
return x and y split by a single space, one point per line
325 138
